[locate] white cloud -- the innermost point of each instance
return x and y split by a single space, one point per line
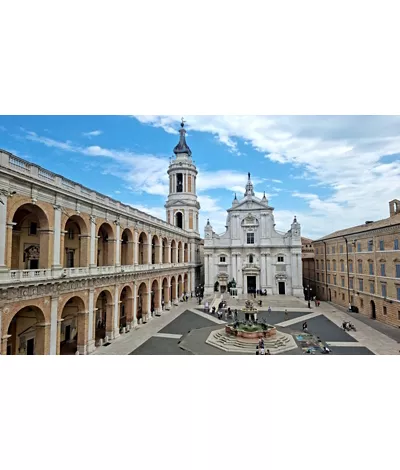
117 192
345 154
92 133
157 211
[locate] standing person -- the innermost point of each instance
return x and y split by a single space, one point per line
236 314
257 351
268 353
305 327
162 304
269 309
286 314
315 300
309 304
349 307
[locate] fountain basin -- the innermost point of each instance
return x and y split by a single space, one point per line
254 332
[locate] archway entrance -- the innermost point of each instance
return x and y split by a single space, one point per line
180 287
174 257
105 245
173 289
30 238
143 254
155 297
125 307
103 315
75 253
373 310
142 301
165 292
26 336
127 248
72 334
185 283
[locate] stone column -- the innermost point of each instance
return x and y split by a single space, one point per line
206 273
149 248
3 233
192 281
168 248
54 324
158 298
136 248
91 320
263 274
134 305
116 313
117 243
59 323
4 340
83 332
57 238
239 279
42 340
270 281
93 242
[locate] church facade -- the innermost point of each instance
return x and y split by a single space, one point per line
252 255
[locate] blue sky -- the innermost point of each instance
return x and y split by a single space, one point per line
330 171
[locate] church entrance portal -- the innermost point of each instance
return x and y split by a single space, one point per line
251 284
281 287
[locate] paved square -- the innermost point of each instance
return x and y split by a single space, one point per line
325 329
159 347
185 322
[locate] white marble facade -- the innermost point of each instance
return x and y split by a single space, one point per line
252 251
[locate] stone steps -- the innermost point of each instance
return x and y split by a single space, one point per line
220 340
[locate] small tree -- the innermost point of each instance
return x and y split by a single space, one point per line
216 286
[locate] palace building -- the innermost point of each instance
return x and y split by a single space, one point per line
78 268
251 252
360 266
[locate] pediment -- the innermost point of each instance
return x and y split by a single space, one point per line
251 205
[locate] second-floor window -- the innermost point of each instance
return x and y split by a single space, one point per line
360 285
360 266
341 249
358 247
371 269
250 238
342 281
396 244
371 288
280 259
350 266
397 270
383 269
370 245
222 259
384 290
317 264
334 265
342 266
381 245
351 284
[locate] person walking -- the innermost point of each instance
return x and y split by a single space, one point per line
286 314
305 327
269 309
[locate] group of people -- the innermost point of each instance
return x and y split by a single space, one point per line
348 326
260 348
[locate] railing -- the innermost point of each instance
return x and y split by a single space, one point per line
40 274
21 275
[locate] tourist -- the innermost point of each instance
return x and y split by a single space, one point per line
262 351
206 307
162 304
349 307
268 352
305 327
286 314
257 351
318 303
269 309
236 314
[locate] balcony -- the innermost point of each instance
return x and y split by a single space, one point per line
44 274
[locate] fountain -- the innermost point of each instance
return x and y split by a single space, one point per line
243 336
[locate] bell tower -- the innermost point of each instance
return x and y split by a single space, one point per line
182 206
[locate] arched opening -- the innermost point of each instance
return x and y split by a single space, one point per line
26 335
165 291
125 307
186 253
155 297
174 258
105 246
30 238
127 248
180 257
164 251
180 286
142 303
143 255
103 314
179 220
76 250
155 250
173 289
185 284
72 333
373 310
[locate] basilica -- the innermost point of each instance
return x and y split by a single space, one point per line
252 256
